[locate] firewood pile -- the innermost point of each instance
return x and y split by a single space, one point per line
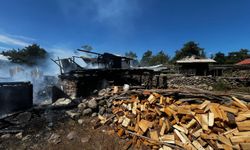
168 121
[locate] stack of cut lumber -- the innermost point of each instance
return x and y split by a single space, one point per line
166 122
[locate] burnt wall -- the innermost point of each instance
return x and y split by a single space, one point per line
15 96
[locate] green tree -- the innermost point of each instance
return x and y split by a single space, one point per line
236 56
30 55
132 55
146 58
220 58
190 48
159 58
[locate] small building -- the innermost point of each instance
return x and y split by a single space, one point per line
194 65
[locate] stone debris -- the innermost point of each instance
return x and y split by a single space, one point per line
5 136
54 139
72 135
92 103
62 101
19 135
85 139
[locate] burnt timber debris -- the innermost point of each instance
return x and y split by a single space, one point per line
110 70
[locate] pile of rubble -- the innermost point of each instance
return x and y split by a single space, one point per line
181 120
92 106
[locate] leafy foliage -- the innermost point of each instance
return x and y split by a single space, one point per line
190 48
30 55
132 55
220 58
232 57
148 59
160 58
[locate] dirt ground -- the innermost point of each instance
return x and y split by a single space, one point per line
37 136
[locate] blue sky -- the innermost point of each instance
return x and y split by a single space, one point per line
117 26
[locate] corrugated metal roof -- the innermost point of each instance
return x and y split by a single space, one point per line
194 59
244 62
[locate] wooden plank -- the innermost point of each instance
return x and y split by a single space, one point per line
245 114
240 139
242 133
120 132
168 138
244 125
154 135
224 140
204 121
191 123
144 125
211 136
197 145
240 118
245 146
184 111
228 109
197 133
241 104
214 109
223 115
163 128
204 104
231 132
182 137
126 122
210 119
227 147
152 99
134 108
182 129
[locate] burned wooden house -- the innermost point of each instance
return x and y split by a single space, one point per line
195 66
100 71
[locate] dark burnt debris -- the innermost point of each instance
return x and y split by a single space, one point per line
106 69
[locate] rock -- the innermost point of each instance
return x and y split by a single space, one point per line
19 135
72 135
22 118
116 89
26 137
109 104
84 100
109 110
62 101
80 121
86 111
94 114
54 139
92 103
85 139
82 106
102 102
125 87
101 110
5 136
72 114
102 92
210 88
